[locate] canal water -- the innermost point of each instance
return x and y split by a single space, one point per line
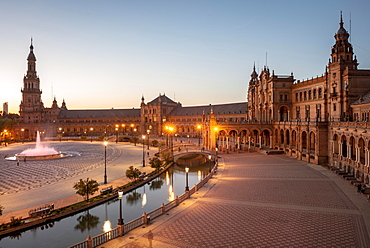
76 228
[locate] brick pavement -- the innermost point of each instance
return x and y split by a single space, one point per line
263 201
34 174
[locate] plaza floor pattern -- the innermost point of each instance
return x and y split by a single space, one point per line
263 201
34 174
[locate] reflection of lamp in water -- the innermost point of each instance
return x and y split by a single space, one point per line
187 178
144 200
171 193
167 178
107 226
199 175
120 220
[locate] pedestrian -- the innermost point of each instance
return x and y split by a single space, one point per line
359 187
150 238
17 162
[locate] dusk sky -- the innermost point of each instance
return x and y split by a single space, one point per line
107 54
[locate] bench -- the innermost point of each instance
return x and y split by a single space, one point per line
106 190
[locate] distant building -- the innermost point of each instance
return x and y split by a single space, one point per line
323 120
5 108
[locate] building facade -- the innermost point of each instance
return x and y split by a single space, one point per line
323 120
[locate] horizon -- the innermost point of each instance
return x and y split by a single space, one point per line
109 55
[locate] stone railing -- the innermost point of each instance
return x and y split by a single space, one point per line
144 219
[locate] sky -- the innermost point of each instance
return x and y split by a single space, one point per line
108 54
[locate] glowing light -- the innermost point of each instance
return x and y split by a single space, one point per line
107 226
105 143
144 201
171 196
199 175
167 178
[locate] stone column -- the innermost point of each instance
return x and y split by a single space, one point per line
340 150
366 157
271 140
349 151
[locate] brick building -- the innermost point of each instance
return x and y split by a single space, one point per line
323 120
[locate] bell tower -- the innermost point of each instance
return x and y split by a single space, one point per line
342 51
341 65
31 108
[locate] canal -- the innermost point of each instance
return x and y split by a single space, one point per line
76 228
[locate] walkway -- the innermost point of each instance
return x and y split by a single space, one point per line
262 201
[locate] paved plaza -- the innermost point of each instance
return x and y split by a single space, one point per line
34 174
261 200
33 184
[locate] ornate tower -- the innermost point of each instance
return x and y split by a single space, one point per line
31 108
342 64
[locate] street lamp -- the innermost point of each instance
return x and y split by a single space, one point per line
105 162
22 135
199 127
117 133
187 178
143 150
148 132
91 130
120 220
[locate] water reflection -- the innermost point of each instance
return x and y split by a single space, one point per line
156 184
144 200
107 226
86 222
132 198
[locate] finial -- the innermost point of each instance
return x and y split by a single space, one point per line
341 19
142 98
31 47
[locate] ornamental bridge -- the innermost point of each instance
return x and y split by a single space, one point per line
191 155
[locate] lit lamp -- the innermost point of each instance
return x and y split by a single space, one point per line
199 128
117 133
22 135
91 130
143 150
105 162
148 132
120 220
187 178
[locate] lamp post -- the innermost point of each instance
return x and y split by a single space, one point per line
187 178
199 127
123 129
117 133
148 132
105 162
22 135
143 150
91 130
120 220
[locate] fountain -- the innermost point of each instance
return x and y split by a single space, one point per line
40 152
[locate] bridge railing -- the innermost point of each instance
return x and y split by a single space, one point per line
145 218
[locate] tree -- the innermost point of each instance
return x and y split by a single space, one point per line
155 163
86 187
166 157
132 173
135 140
155 143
